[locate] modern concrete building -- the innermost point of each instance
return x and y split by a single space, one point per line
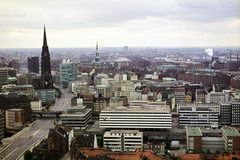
77 116
144 117
33 64
179 95
214 97
200 95
68 72
198 117
118 101
232 138
235 113
3 76
123 140
45 95
226 113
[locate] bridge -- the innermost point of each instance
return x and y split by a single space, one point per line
57 113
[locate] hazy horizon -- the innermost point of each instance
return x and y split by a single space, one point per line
165 23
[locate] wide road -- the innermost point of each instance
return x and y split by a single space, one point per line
37 132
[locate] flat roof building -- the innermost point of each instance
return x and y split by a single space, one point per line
140 117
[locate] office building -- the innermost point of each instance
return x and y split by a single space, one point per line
97 60
68 72
77 116
3 76
14 119
226 113
235 113
123 140
179 95
45 95
125 48
33 64
198 117
145 117
36 105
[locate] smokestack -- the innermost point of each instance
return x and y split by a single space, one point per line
230 56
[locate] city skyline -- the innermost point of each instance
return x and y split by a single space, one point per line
118 23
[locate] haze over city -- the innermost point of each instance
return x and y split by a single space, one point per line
119 22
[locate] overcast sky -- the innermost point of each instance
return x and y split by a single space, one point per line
116 23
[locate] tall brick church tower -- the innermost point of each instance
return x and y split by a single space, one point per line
46 77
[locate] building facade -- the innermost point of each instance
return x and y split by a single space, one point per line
145 117
68 72
33 64
123 140
232 138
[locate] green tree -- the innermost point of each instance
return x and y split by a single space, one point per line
208 151
35 158
100 141
167 145
203 152
28 155
187 151
198 152
57 119
217 152
193 152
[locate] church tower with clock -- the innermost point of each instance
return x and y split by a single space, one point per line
46 77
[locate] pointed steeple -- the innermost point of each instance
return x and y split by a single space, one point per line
44 38
97 46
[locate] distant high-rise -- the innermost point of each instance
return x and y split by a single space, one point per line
125 48
97 62
33 64
46 77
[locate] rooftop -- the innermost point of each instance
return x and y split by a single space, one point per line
230 131
148 108
193 131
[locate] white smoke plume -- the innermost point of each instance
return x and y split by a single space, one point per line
209 51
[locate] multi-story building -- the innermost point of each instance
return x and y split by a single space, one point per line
235 113
179 95
193 139
123 140
36 105
118 101
3 76
183 106
145 117
214 97
77 116
45 95
57 143
14 119
232 138
33 64
22 89
68 72
2 126
198 117
226 113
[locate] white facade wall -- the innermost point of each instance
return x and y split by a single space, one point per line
36 105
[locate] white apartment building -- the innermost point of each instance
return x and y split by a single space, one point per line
179 95
136 117
123 140
36 105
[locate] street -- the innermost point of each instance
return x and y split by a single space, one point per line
37 132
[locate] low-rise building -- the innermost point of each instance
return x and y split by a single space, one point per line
193 139
45 95
118 101
123 140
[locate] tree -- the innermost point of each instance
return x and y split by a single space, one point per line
198 152
193 152
187 151
34 158
167 145
100 141
217 152
57 119
28 155
203 152
208 151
